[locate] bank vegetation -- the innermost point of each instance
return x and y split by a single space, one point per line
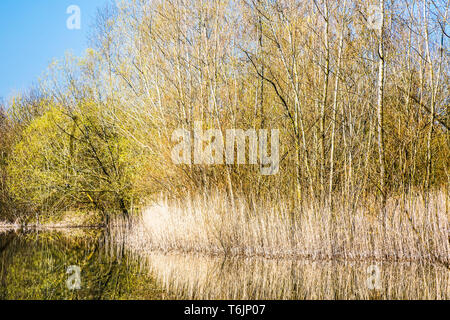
361 104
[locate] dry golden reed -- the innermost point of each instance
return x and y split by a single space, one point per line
206 249
408 231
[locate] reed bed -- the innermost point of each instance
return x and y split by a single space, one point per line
413 230
201 277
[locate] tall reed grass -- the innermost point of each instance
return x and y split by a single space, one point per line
409 230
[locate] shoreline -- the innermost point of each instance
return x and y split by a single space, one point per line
233 254
12 226
414 234
296 257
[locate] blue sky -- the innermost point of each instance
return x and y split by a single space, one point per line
33 33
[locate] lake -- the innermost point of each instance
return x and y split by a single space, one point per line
87 264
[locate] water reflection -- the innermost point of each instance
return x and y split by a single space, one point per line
195 277
34 266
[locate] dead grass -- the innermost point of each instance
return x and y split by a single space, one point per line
409 231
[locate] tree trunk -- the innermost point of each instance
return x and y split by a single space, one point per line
380 109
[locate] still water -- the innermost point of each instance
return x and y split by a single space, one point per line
87 265
37 265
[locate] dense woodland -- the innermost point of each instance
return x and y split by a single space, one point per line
363 113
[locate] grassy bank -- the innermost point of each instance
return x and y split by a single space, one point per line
409 230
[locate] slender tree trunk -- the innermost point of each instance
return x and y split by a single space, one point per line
324 103
433 104
380 108
434 90
261 52
335 105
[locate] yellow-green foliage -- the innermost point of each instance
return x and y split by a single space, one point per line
67 161
99 134
36 166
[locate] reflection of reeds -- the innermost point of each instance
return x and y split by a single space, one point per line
272 253
409 231
201 277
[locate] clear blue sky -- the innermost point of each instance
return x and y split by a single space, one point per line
33 33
